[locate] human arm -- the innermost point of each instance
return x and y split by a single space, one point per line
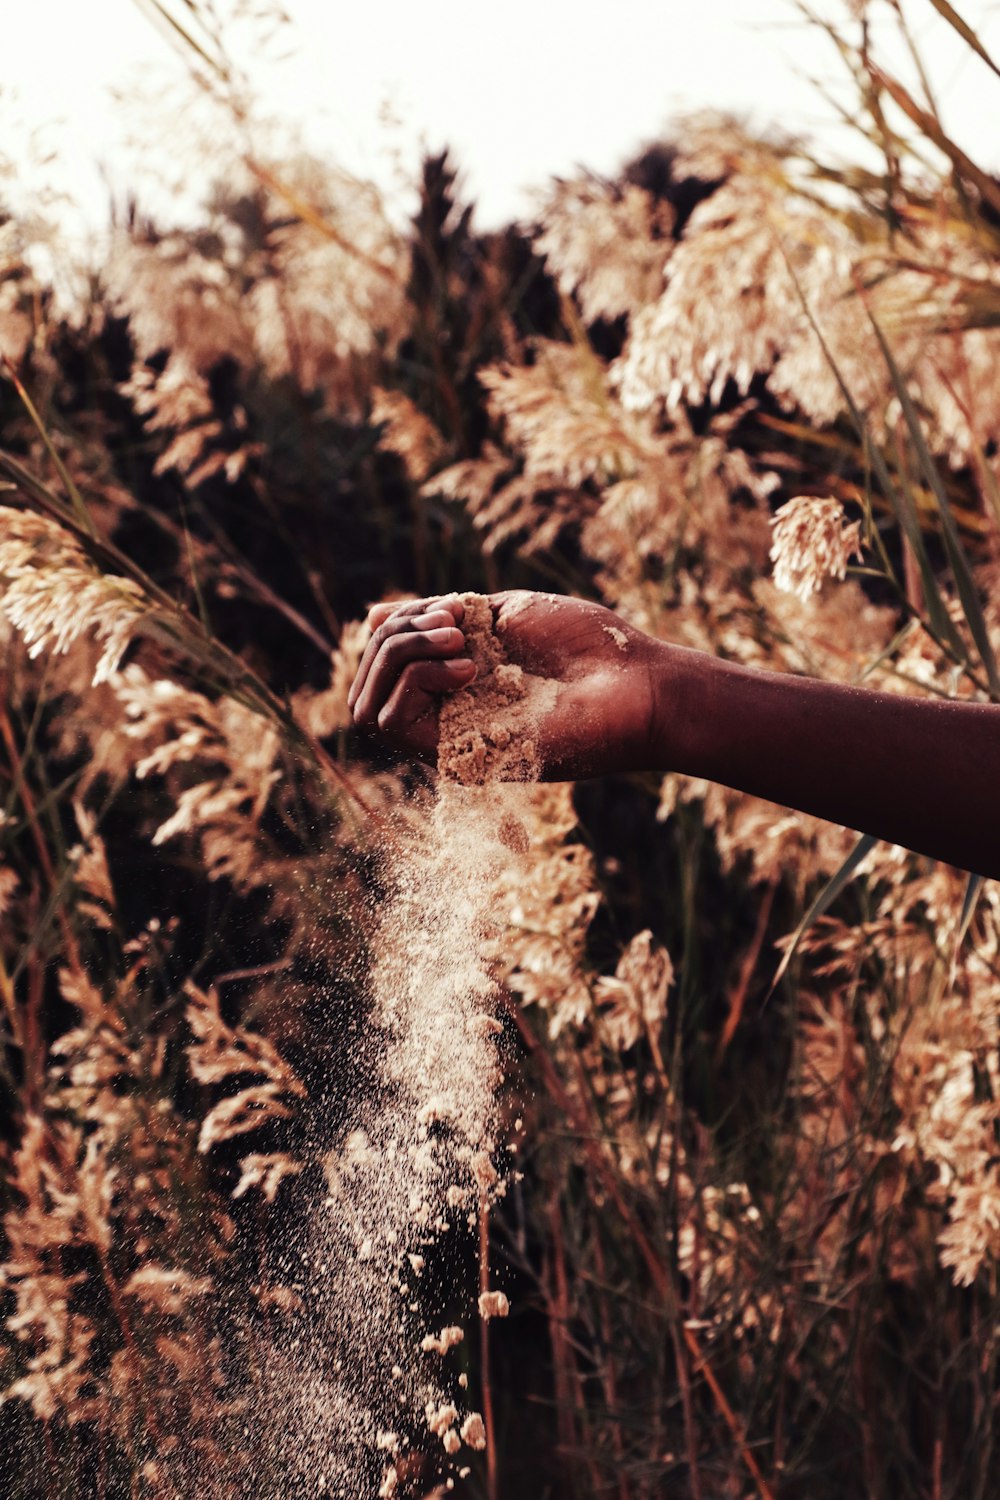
920 772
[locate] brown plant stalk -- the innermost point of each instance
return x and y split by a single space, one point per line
659 1273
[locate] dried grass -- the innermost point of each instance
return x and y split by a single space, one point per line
251 985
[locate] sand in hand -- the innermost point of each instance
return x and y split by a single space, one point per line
488 731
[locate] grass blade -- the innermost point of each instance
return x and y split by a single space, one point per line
182 37
975 885
186 38
901 502
171 624
964 166
970 901
824 900
965 31
959 563
76 499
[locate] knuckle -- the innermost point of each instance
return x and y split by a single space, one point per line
404 646
394 650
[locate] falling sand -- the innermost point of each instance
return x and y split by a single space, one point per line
378 1379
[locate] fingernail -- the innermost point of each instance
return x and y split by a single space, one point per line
462 664
441 634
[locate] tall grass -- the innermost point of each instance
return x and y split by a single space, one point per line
752 1239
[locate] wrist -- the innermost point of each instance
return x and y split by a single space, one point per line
680 691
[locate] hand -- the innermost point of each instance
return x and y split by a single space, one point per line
602 717
412 659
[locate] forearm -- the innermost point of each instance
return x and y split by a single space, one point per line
924 773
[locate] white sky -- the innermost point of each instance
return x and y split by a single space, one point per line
520 90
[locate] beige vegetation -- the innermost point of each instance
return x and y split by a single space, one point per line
747 1217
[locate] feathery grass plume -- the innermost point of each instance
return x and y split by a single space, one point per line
178 402
605 243
94 1061
813 541
673 509
634 1001
565 431
182 299
324 307
295 302
930 1033
547 910
505 506
407 432
52 593
173 727
91 874
742 1240
220 1052
557 413
48 1220
729 311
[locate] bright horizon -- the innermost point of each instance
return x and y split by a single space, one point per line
585 92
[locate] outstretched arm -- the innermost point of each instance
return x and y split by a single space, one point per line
920 772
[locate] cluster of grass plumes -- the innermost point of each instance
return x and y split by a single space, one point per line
752 1247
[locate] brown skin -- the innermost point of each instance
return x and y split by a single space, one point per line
920 772
601 718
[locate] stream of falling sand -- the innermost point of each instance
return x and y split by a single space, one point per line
418 1157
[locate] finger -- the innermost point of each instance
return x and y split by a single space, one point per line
379 613
396 624
395 654
415 695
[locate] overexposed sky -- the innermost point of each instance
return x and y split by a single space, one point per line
521 90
